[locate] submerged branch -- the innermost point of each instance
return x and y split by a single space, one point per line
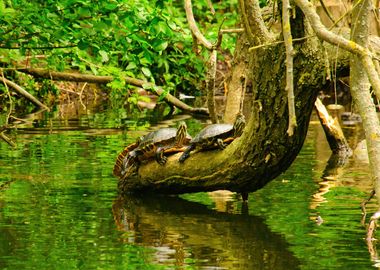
23 92
76 77
7 140
334 134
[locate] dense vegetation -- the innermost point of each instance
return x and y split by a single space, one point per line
144 39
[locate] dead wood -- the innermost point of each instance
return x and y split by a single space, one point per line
334 134
23 92
77 77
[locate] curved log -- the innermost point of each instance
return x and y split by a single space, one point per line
264 150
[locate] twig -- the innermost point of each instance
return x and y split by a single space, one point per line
210 85
80 95
292 123
227 31
209 3
364 204
278 42
327 11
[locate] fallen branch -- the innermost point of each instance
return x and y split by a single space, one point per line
76 77
334 134
23 92
7 140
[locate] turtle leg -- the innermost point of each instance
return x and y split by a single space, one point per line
160 158
186 153
220 143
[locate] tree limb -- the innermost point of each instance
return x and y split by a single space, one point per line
193 26
253 22
289 66
210 85
76 77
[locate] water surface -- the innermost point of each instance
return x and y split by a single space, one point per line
59 207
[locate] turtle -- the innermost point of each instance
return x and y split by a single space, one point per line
155 144
215 136
118 167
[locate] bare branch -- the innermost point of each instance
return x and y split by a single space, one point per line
289 66
210 85
193 26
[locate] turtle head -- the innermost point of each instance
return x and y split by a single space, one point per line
181 133
239 125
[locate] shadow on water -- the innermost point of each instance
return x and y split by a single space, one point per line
57 205
182 231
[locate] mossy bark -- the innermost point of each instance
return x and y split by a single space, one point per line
264 150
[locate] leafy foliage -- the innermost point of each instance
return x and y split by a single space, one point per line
143 39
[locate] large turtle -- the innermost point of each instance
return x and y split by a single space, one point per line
215 136
154 144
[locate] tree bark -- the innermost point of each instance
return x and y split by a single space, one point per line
360 91
264 150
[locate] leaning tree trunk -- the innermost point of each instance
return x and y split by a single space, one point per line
264 150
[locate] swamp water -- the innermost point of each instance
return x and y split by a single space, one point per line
59 207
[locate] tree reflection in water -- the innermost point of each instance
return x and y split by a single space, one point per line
188 233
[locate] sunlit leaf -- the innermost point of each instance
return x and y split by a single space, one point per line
104 56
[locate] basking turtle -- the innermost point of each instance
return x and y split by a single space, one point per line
215 136
154 144
118 167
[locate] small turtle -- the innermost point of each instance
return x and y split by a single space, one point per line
154 144
215 136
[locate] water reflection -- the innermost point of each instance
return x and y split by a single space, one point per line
184 232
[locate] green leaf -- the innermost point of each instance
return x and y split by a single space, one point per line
131 65
83 45
146 72
104 56
160 45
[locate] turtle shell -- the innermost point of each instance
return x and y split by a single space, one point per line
164 138
213 131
